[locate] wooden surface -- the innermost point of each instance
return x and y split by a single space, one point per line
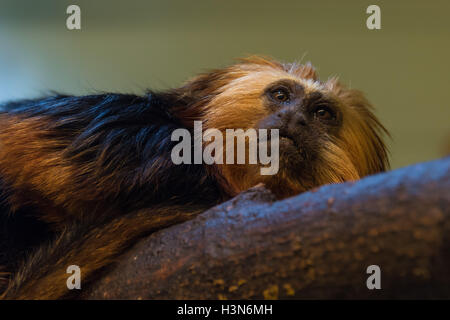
315 245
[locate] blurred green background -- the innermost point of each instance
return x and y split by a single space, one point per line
129 46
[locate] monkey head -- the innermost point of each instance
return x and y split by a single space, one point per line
327 132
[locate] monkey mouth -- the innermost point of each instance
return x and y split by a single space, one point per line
289 139
290 144
287 134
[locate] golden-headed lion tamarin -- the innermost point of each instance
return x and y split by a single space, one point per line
83 177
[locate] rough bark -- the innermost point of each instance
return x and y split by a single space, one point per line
315 245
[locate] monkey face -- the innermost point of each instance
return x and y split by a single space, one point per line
327 132
304 120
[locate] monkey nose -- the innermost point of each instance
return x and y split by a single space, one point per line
299 119
292 118
296 120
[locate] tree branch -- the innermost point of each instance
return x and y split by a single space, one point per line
315 245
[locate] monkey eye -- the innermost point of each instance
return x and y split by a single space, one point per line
280 95
324 113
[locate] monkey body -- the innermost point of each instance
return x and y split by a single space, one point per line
89 175
58 187
94 155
